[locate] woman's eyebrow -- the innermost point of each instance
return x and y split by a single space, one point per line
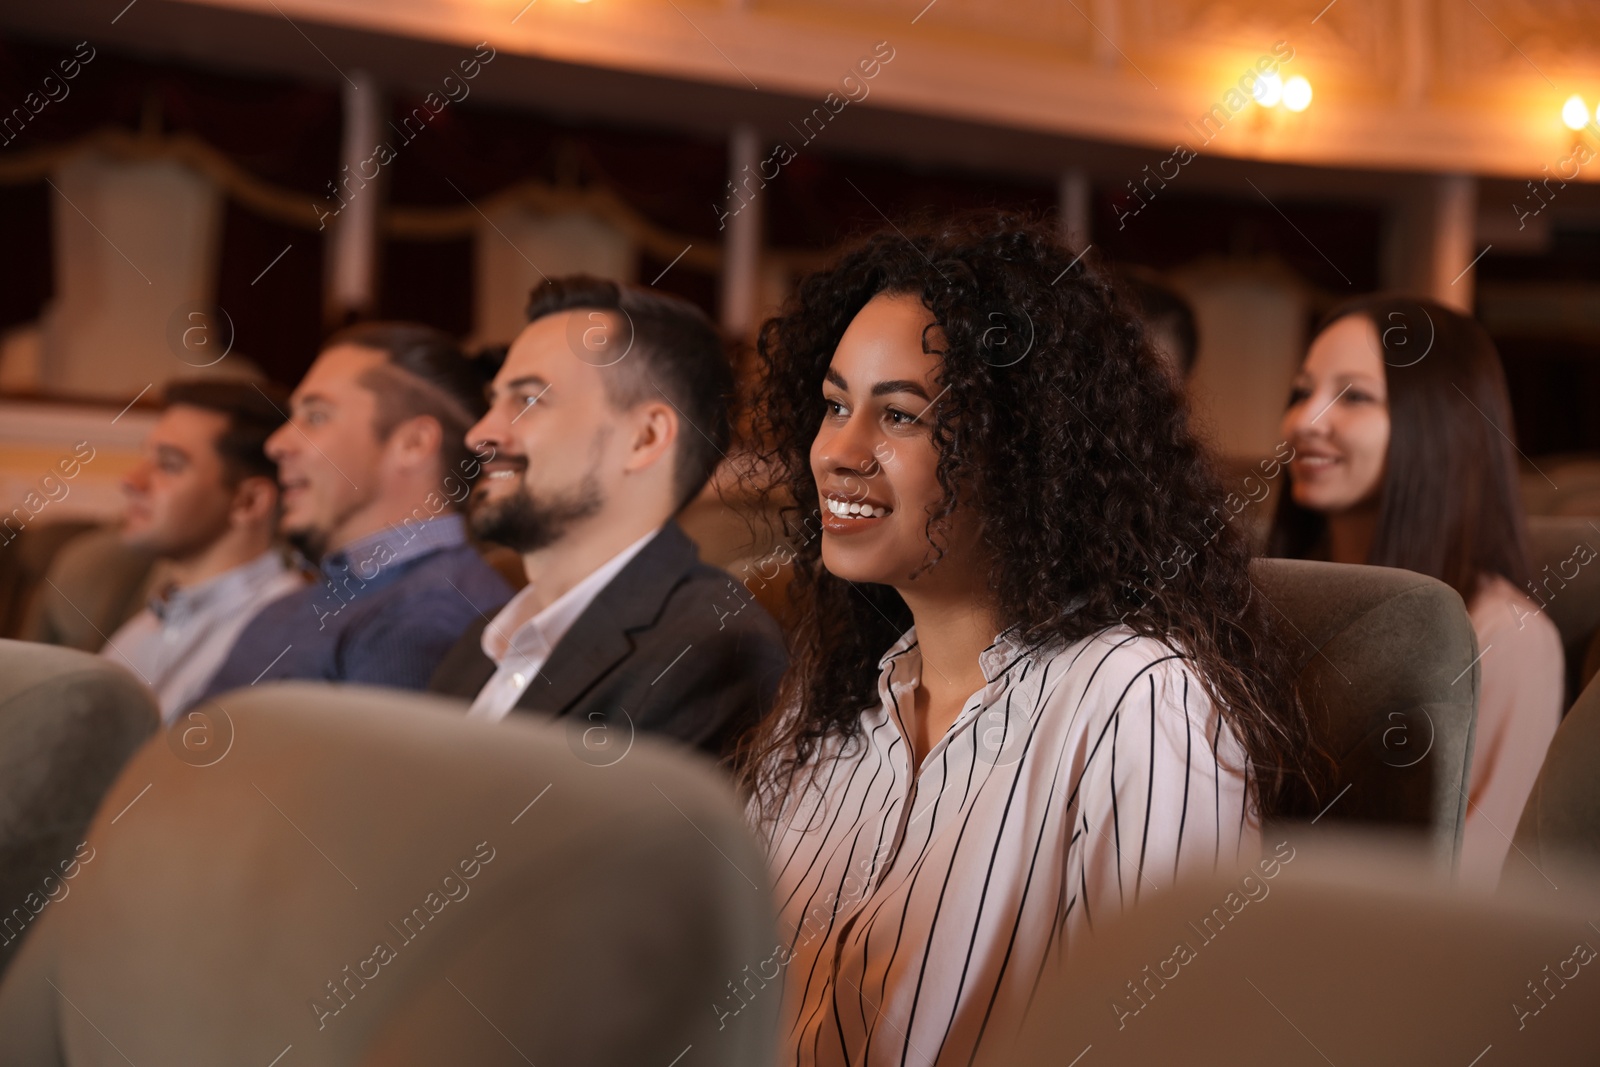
900 385
897 385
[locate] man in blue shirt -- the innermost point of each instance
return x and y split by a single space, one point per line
374 468
204 500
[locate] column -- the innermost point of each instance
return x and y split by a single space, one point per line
353 246
1432 238
1074 207
1455 210
741 242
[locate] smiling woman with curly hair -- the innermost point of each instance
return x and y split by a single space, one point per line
1031 677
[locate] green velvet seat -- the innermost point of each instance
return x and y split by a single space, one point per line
1388 669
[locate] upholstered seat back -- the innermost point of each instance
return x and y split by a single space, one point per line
1560 824
367 877
24 564
1389 672
68 723
1565 558
94 584
1324 952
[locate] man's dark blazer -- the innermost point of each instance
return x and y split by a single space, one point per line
671 646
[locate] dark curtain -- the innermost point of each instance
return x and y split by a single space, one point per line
282 132
1173 228
27 256
696 286
271 285
1554 384
428 282
818 201
470 152
1554 380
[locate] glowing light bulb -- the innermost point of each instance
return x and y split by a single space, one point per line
1297 93
1268 90
1575 113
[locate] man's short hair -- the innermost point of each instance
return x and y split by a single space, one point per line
675 353
253 410
426 374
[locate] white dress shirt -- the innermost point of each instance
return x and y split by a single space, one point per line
520 640
177 643
918 907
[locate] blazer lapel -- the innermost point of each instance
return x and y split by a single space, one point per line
474 670
601 636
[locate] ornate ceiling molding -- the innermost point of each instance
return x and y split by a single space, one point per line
1425 85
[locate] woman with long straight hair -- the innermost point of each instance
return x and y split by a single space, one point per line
1403 457
1029 684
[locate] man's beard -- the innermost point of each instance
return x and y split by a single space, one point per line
312 544
522 523
313 541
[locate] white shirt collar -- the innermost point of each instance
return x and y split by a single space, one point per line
994 660
179 604
518 628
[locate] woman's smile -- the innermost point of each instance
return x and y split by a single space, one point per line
843 516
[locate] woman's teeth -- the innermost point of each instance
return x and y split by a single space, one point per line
853 510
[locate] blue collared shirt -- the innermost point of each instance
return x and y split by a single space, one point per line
386 611
177 642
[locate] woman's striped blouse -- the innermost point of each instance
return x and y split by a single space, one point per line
920 906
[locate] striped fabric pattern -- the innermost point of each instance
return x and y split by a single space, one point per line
921 908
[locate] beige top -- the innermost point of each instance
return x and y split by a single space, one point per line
1519 707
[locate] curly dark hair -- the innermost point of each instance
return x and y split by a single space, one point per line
1057 415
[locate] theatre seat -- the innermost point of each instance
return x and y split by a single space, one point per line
1342 955
1388 670
23 565
68 723
342 875
93 585
1560 824
1565 557
735 531
1562 485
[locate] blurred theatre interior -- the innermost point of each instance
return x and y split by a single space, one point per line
209 188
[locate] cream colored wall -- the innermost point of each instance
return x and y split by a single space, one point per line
515 245
98 442
1251 318
135 243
